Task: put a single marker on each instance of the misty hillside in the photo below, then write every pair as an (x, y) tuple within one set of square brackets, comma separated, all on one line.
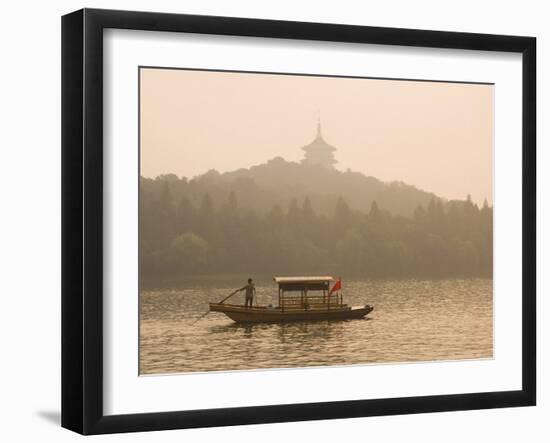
[(278, 182), (290, 219)]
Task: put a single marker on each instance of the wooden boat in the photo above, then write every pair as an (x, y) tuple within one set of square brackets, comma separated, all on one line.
[(300, 299)]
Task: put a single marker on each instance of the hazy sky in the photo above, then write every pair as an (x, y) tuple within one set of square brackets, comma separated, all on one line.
[(436, 136)]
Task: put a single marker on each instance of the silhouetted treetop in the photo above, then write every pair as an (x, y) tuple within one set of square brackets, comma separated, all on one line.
[(278, 181), (289, 218)]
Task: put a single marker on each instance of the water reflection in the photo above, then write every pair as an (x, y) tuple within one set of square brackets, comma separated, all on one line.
[(413, 320)]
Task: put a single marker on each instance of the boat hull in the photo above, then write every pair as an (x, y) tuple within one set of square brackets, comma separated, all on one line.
[(261, 314)]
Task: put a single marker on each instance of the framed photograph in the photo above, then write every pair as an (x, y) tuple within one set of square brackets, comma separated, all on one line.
[(269, 221)]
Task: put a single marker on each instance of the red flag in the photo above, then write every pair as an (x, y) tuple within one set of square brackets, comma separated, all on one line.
[(337, 286)]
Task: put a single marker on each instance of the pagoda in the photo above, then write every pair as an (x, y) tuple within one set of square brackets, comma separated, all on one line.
[(319, 152)]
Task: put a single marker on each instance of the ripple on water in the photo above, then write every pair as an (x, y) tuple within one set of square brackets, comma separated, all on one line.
[(413, 320)]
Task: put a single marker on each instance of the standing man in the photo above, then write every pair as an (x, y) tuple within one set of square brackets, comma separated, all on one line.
[(249, 294)]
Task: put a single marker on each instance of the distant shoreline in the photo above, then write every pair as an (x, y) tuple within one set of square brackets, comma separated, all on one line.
[(186, 281)]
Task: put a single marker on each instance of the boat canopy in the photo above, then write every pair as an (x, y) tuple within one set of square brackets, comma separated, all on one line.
[(297, 280), (320, 283)]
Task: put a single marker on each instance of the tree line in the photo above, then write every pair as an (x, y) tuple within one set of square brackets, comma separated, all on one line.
[(189, 234)]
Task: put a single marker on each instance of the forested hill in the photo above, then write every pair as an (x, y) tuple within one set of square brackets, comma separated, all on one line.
[(283, 218), (278, 182)]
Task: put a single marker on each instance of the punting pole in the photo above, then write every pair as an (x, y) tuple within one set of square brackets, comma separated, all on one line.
[(208, 312)]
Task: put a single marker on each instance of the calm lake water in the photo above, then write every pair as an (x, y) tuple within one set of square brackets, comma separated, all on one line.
[(413, 320)]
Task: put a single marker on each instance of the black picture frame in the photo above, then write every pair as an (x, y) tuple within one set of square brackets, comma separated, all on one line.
[(82, 219)]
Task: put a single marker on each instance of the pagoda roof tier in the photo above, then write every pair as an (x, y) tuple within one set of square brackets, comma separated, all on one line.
[(319, 152), (319, 144)]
